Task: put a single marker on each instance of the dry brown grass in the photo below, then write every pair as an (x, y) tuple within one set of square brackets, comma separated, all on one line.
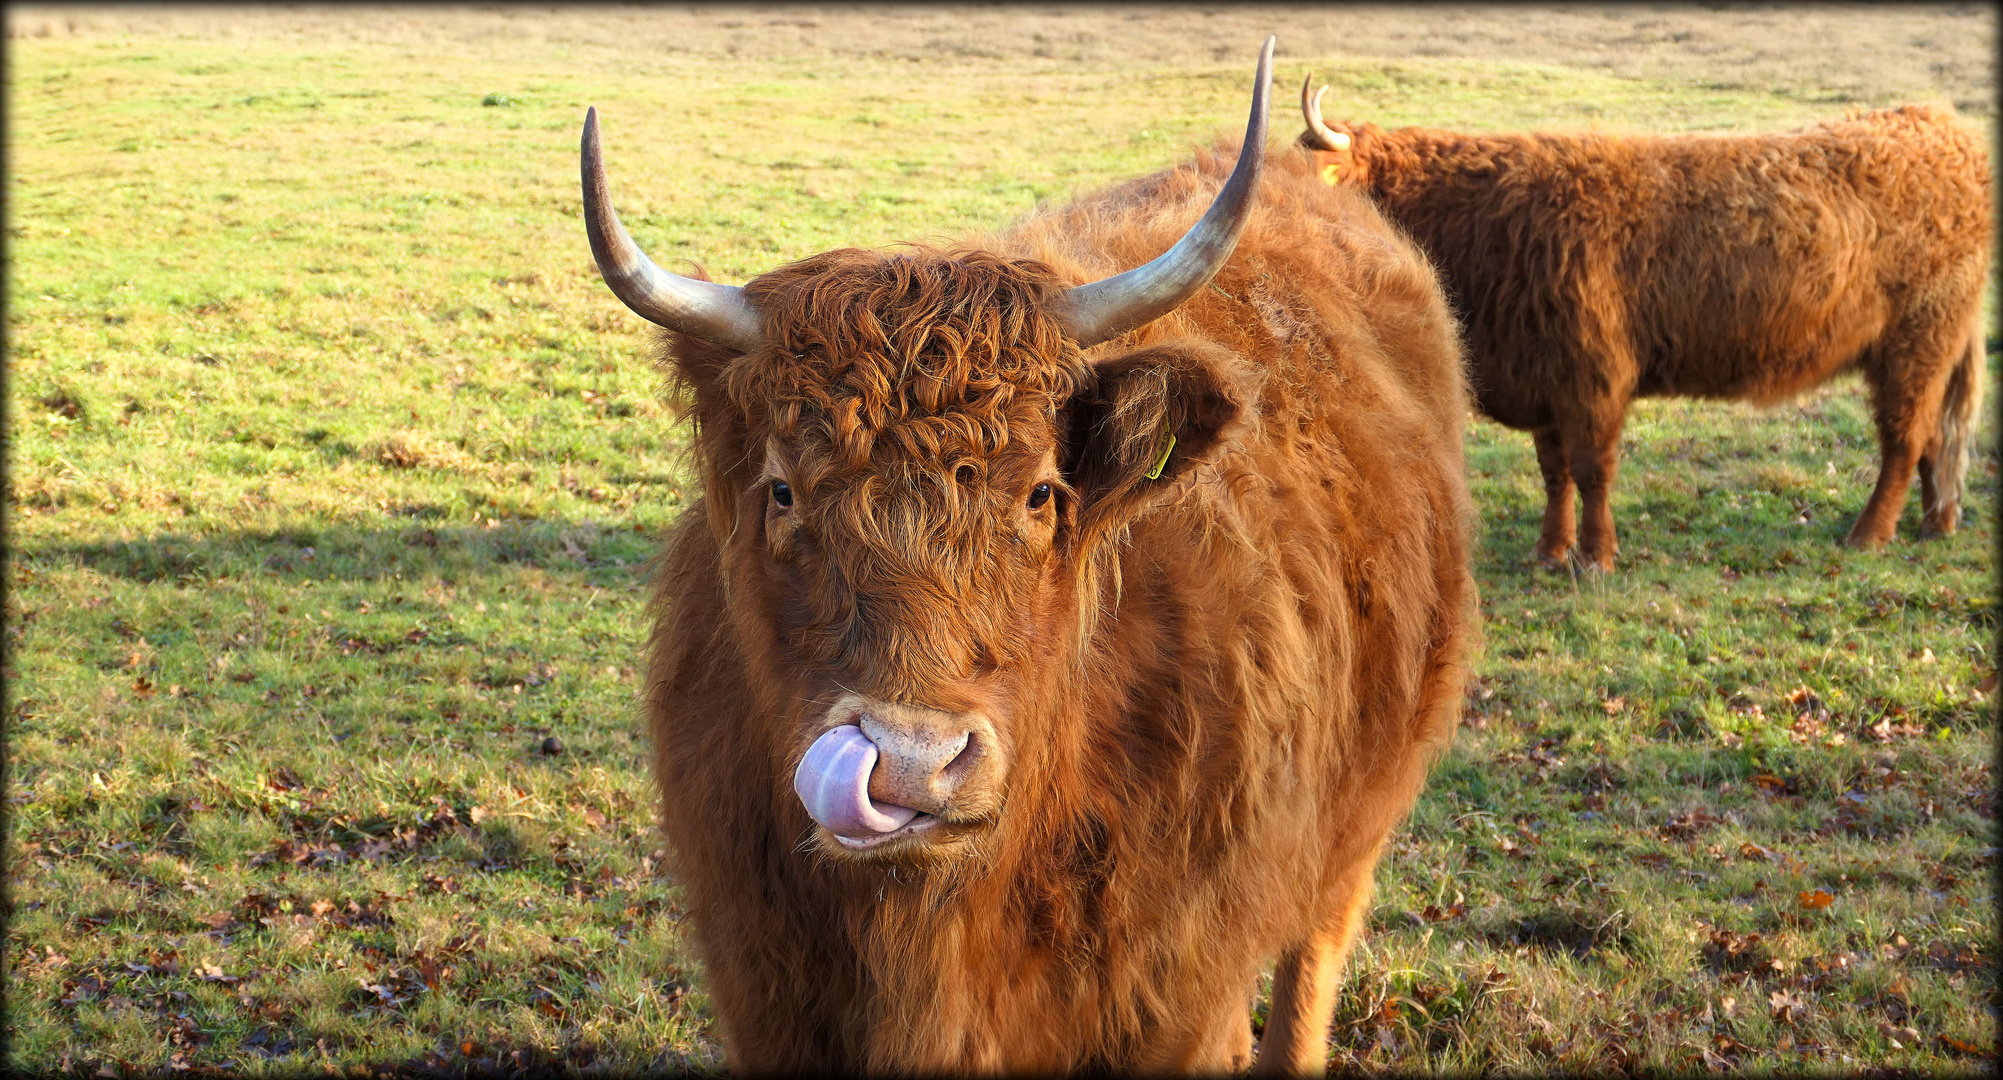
[(1870, 54)]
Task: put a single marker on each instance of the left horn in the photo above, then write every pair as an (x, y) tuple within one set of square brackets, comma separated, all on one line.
[(700, 309), (1105, 309)]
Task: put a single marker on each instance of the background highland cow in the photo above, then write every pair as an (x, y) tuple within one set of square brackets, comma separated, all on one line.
[(1591, 269)]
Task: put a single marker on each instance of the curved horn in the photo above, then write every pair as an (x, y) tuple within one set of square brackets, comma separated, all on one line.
[(700, 309), (1105, 309), (1311, 110)]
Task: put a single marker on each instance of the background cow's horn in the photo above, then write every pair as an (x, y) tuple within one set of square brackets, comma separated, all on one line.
[(1105, 309), (700, 309), (1311, 111)]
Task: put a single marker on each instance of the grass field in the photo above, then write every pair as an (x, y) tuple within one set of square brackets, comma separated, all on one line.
[(334, 475)]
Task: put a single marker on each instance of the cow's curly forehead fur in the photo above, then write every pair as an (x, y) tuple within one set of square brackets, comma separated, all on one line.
[(912, 396), (914, 358)]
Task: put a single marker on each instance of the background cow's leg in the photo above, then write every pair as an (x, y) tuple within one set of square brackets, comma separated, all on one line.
[(1899, 454), (1306, 979), (1944, 466), (1594, 453), (1930, 491), (1559, 528), (1907, 392)]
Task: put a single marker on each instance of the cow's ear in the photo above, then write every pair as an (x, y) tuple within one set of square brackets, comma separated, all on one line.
[(698, 372), (1145, 421), (1333, 166)]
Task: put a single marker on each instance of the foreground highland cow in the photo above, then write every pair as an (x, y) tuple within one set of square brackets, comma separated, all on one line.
[(1592, 269), (1043, 657)]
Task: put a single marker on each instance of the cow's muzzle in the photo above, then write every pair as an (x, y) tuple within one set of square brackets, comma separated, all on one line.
[(880, 772)]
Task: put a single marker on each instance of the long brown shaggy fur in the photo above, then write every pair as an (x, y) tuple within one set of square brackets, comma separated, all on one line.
[(1590, 269), (1218, 689)]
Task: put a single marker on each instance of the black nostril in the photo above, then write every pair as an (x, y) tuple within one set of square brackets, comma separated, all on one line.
[(969, 751)]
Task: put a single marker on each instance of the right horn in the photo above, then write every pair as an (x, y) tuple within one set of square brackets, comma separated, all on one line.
[(1311, 109), (1105, 309), (700, 309)]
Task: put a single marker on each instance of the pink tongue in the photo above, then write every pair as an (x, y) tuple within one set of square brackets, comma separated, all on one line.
[(833, 781)]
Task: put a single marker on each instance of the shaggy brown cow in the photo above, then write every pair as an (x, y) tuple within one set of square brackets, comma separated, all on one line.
[(1590, 269), (1042, 657)]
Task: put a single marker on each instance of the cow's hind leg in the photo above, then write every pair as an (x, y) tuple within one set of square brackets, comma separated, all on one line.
[(1899, 455), (1559, 529), (1944, 467), (1930, 493), (1594, 454), (1907, 397), (1306, 979)]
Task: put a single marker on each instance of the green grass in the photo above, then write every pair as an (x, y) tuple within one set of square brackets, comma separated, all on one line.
[(335, 474)]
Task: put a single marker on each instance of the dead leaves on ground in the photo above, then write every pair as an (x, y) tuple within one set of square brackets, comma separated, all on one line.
[(1540, 756), (1812, 722), (263, 909)]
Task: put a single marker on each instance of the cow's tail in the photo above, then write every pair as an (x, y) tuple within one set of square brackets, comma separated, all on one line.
[(1960, 408)]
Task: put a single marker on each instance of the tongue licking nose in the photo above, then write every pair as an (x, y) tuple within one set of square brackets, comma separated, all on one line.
[(833, 782)]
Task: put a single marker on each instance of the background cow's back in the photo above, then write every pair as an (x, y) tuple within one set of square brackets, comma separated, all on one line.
[(1255, 678), (1592, 268)]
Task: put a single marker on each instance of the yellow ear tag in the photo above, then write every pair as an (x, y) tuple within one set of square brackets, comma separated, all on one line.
[(1331, 174), (1155, 472)]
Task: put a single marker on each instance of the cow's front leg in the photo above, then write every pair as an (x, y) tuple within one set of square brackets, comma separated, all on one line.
[(1306, 979), (1559, 530), (1222, 1046)]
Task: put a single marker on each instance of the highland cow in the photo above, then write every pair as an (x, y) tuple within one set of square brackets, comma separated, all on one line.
[(1591, 269), (1054, 643)]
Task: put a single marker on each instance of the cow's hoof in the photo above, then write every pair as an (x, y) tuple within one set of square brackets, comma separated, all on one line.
[(1863, 543), (1936, 526), (1593, 568), (1558, 563)]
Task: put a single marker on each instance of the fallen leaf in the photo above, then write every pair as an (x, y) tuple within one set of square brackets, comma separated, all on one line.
[(209, 972), (1955, 1044), (1815, 899), (1898, 1035)]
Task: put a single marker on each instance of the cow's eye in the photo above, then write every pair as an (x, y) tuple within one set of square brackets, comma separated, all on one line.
[(1039, 495), (781, 493)]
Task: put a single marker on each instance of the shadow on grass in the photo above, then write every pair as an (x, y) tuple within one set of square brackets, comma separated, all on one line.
[(1680, 532), (600, 555)]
